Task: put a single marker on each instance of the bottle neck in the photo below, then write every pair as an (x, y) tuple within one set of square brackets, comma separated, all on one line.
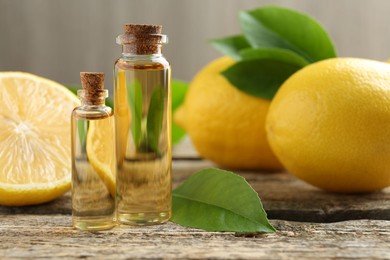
[(141, 49), (92, 104), (92, 98)]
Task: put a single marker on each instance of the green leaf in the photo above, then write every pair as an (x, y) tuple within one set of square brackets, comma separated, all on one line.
[(134, 97), (155, 118), (231, 46), (177, 133), (273, 54), (109, 102), (218, 200), (276, 27), (261, 77), (82, 129), (179, 90)]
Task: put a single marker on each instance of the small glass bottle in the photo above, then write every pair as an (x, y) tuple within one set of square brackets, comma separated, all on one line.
[(142, 104), (93, 157)]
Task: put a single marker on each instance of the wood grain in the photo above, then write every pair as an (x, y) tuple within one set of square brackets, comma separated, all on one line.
[(288, 198), (284, 197), (44, 236), (45, 232)]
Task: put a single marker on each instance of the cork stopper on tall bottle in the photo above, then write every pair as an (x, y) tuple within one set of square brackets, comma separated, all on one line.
[(142, 39), (92, 84), (142, 29)]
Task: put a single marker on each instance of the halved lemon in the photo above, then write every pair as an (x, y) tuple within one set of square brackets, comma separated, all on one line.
[(101, 150), (35, 153)]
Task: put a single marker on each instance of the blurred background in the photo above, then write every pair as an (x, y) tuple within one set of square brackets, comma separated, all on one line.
[(57, 39)]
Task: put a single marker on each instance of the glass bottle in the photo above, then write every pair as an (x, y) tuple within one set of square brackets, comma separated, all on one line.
[(142, 108), (93, 157)]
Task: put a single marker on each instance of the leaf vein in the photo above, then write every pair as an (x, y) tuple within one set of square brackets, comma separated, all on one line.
[(191, 199)]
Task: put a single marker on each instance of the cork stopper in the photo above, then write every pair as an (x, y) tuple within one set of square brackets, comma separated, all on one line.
[(142, 29), (142, 39), (92, 84)]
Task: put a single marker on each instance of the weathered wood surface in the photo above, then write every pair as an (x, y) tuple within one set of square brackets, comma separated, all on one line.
[(284, 197), (288, 198), (362, 230), (37, 236)]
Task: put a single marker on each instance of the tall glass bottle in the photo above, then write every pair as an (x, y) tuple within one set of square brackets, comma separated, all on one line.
[(93, 157), (142, 97)]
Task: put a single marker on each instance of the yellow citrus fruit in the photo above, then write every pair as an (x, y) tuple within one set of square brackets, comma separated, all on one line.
[(122, 117), (329, 125), (35, 156), (101, 150), (226, 125)]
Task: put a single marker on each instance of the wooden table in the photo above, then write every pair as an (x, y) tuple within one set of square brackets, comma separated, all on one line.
[(311, 224)]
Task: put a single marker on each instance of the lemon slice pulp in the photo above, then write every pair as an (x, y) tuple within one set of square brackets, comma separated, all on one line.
[(101, 150), (35, 157)]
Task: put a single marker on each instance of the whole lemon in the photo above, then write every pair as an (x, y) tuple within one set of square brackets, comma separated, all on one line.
[(329, 124), (226, 125)]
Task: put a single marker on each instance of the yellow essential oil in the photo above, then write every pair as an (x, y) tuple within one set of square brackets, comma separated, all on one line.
[(93, 157), (143, 127)]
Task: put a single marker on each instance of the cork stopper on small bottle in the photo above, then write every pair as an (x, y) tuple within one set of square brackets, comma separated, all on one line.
[(93, 92), (142, 39)]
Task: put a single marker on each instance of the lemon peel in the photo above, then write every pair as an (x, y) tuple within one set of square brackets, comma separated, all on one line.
[(329, 125), (226, 125)]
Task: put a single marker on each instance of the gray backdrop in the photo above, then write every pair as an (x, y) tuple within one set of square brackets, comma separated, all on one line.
[(59, 38)]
